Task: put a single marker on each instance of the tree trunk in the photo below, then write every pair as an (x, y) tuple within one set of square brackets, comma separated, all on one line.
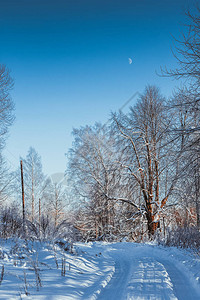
[(151, 224)]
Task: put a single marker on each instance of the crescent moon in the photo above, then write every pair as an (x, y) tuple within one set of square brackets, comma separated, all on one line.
[(130, 61)]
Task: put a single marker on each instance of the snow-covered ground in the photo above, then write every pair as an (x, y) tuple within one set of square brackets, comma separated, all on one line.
[(115, 271)]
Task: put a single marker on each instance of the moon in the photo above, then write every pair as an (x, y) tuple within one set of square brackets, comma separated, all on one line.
[(130, 61)]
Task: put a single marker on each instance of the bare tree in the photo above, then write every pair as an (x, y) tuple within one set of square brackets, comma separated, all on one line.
[(58, 201), (187, 50), (6, 180), (6, 103), (187, 53), (34, 180), (185, 128), (144, 134), (92, 168), (6, 120)]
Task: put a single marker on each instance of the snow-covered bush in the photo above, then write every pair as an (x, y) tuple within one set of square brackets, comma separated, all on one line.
[(10, 222), (11, 225), (184, 237)]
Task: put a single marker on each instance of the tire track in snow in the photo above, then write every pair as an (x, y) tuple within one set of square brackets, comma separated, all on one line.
[(147, 277), (149, 280), (181, 284)]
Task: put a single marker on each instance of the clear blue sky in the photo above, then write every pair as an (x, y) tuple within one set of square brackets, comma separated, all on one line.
[(69, 60)]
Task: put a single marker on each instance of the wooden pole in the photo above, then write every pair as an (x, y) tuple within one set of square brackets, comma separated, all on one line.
[(23, 201), (39, 216), (32, 192)]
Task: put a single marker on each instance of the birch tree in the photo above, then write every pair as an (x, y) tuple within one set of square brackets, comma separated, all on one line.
[(34, 180), (143, 133)]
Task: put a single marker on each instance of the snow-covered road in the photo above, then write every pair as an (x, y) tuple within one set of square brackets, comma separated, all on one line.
[(98, 271), (147, 272)]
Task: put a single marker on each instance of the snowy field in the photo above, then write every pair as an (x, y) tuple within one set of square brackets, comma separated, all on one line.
[(97, 271)]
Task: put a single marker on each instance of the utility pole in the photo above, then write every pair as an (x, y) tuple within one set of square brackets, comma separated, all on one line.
[(39, 215), (32, 202), (23, 201)]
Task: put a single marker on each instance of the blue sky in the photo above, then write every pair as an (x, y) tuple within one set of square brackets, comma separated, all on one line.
[(69, 60)]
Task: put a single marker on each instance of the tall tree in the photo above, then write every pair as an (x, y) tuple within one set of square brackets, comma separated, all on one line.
[(93, 171), (144, 135), (34, 180), (185, 129), (187, 53)]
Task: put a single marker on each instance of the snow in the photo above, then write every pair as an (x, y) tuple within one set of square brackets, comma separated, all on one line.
[(97, 270)]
